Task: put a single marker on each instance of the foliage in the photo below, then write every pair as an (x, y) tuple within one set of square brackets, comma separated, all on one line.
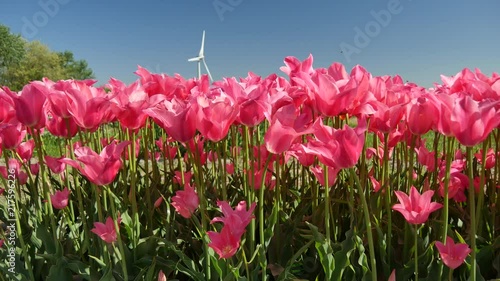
[(22, 62), (11, 49)]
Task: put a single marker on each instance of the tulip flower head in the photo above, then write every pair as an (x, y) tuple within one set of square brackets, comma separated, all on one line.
[(106, 231), (100, 169), (161, 276), (452, 255), (225, 243), (417, 207), (186, 201), (60, 199)]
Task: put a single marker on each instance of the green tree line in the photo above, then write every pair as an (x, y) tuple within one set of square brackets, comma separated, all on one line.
[(22, 61)]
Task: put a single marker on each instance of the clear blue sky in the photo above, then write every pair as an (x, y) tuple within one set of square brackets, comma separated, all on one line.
[(423, 38)]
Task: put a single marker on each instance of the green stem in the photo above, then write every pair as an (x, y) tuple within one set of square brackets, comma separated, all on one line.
[(388, 194), (449, 154), (132, 196), (472, 202), (200, 188), (411, 153), (147, 174), (118, 236), (46, 189), (480, 199), (367, 223), (261, 219), (416, 252), (327, 204)]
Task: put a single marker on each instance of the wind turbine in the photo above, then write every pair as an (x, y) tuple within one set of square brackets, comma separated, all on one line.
[(201, 57)]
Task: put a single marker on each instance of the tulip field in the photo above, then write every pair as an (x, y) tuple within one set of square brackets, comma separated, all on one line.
[(317, 174)]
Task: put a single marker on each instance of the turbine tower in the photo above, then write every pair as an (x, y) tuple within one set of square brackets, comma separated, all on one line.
[(201, 57)]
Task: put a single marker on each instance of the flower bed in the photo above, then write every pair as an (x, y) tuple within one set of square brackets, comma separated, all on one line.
[(323, 175)]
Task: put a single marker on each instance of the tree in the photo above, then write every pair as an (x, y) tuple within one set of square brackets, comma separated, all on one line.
[(75, 69), (22, 61), (38, 62), (11, 49)]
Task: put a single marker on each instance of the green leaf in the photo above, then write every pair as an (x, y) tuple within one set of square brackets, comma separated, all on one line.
[(325, 251), (81, 269), (108, 276), (363, 259), (269, 232), (48, 241), (188, 266), (99, 261), (216, 264), (285, 274), (59, 271), (342, 260)]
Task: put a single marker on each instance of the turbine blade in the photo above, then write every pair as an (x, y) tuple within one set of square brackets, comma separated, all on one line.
[(195, 59), (208, 71), (202, 45)]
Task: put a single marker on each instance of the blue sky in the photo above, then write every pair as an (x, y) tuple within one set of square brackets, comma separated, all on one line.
[(421, 40)]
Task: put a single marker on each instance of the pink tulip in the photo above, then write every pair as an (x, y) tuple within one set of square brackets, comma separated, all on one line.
[(106, 231), (169, 86), (100, 169), (54, 164), (453, 255), (318, 171), (129, 102), (216, 112), (161, 276), (196, 146), (422, 114), (58, 101), (1, 243), (471, 122), (294, 66), (177, 117), (416, 208), (331, 97), (169, 151), (297, 151), (287, 125), (29, 104), (88, 105), (62, 127), (490, 158), (25, 150), (237, 219), (60, 199), (337, 148), (252, 99), (225, 243), (426, 158), (255, 179), (12, 134), (386, 118), (158, 202), (392, 277), (20, 175), (34, 168), (7, 111), (375, 183), (178, 177), (186, 201)]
